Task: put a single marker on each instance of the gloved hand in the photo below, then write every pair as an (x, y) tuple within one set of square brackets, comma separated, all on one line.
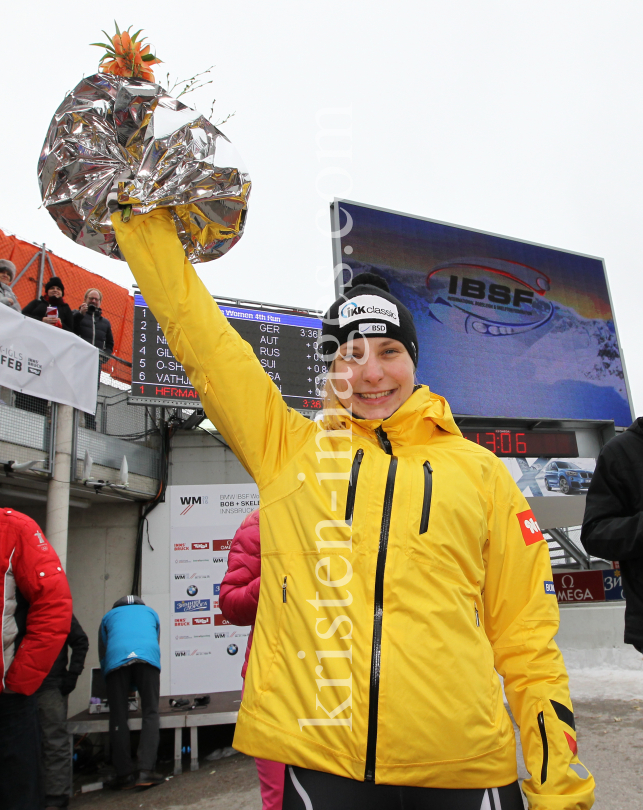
[(69, 683)]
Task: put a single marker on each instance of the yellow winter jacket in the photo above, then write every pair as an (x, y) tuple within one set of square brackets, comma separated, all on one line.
[(401, 568)]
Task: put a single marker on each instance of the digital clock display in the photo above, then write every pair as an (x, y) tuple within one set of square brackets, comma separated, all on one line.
[(520, 443), (285, 342)]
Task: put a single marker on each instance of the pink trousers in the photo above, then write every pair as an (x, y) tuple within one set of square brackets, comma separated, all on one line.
[(271, 781)]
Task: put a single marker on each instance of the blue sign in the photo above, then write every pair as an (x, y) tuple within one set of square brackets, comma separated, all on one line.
[(613, 584), (217, 588), (550, 588)]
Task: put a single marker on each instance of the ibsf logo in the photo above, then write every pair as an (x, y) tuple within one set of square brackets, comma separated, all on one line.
[(192, 590), (490, 297), (200, 546), (188, 501), (202, 620)]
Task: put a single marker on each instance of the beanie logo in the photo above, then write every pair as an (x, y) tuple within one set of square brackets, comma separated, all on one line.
[(363, 306), (372, 328)]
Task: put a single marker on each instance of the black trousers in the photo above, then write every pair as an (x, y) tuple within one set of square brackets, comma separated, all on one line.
[(20, 780), (120, 683), (314, 790)]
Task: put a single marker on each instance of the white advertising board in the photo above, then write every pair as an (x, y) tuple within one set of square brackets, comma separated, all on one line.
[(206, 653)]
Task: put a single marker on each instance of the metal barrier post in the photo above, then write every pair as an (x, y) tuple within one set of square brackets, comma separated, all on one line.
[(58, 490)]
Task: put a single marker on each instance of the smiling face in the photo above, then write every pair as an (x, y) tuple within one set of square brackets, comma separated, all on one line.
[(374, 376), (5, 276), (55, 292), (93, 298)]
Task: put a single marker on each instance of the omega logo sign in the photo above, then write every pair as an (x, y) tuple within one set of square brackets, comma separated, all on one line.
[(581, 586)]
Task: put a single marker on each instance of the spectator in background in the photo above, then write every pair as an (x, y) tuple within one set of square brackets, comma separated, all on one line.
[(7, 274), (52, 711), (40, 308), (35, 603), (130, 656), (613, 522), (90, 325), (238, 600)]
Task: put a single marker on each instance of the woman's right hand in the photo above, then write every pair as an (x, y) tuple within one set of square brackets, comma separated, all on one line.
[(51, 319)]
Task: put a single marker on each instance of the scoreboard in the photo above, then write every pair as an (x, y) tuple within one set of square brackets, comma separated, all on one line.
[(284, 340)]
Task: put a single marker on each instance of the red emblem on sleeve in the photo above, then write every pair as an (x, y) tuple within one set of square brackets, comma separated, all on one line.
[(571, 742), (529, 527)]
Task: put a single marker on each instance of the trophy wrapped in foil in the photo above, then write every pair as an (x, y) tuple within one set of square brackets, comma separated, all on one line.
[(120, 132)]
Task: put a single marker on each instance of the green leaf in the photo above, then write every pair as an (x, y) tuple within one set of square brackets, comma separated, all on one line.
[(148, 57), (136, 34), (107, 56), (117, 28), (101, 45), (109, 39)]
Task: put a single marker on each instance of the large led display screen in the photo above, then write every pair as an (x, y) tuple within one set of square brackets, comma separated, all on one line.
[(505, 328)]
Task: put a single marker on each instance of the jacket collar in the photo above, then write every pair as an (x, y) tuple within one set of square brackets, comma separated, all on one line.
[(413, 422)]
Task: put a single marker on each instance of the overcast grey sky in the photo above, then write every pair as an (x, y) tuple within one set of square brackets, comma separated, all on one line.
[(520, 118)]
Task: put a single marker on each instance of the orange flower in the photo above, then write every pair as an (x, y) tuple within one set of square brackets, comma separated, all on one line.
[(125, 57)]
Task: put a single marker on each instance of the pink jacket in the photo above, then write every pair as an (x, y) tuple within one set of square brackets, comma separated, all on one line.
[(239, 595)]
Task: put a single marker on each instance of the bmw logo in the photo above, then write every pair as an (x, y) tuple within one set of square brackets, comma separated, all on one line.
[(192, 590), (232, 649)]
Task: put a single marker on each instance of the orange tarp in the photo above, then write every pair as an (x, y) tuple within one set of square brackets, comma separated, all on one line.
[(118, 304)]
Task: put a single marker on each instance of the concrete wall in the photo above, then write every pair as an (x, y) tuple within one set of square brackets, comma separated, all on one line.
[(197, 457), (592, 636), (100, 565)]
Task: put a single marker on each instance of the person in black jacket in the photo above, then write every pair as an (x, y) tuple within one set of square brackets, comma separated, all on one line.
[(90, 325), (613, 522), (53, 297), (52, 712)]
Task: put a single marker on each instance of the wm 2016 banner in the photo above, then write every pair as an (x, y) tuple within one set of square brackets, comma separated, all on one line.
[(44, 361), (207, 652)]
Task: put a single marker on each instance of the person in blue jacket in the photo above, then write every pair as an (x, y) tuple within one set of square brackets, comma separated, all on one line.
[(130, 656)]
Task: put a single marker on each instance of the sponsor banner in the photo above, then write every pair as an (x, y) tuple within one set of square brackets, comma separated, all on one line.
[(589, 586), (44, 361), (551, 477), (206, 652)]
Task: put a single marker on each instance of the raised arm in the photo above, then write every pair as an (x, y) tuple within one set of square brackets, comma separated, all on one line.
[(236, 393), (521, 620)]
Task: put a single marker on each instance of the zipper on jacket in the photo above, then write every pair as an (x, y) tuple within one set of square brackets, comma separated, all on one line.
[(378, 610), (352, 485), (543, 736), (283, 590), (383, 440), (475, 607), (426, 503)]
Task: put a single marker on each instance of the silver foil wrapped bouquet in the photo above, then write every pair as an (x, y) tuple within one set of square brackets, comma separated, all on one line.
[(126, 134)]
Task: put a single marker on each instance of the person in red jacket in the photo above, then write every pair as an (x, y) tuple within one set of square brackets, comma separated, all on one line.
[(36, 610), (238, 600)]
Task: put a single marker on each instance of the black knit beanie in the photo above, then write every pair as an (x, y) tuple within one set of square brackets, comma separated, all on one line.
[(54, 281), (367, 310)]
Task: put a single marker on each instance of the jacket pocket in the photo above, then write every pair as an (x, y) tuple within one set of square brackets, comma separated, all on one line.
[(543, 736), (426, 501)]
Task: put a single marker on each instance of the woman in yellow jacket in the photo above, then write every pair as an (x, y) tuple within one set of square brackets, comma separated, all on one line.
[(401, 569)]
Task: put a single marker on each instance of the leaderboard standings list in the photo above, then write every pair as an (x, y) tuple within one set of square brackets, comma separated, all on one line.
[(285, 344)]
